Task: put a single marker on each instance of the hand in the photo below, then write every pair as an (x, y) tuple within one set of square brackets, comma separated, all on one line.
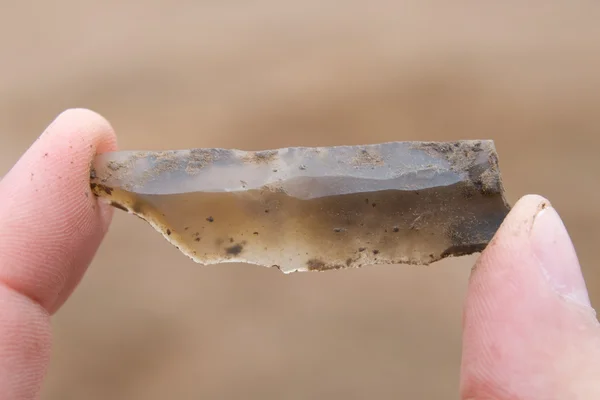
[(50, 228), (529, 329)]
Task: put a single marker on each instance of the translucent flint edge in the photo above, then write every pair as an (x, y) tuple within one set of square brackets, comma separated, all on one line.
[(296, 170)]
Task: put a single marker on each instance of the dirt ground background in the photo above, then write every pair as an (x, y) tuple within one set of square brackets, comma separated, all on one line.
[(147, 323)]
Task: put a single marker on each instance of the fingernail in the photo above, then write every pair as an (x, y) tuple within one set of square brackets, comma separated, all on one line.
[(553, 247)]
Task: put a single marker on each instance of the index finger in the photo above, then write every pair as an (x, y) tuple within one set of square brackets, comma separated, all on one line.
[(51, 226)]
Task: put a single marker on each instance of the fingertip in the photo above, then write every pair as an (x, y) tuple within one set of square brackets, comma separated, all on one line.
[(516, 322), (52, 222), (83, 119), (96, 135)]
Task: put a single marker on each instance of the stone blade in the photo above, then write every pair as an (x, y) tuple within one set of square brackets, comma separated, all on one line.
[(323, 208)]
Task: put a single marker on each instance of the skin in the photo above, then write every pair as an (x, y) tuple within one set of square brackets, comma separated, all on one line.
[(529, 329)]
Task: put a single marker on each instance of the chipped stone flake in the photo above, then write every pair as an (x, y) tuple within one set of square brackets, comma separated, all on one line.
[(302, 209)]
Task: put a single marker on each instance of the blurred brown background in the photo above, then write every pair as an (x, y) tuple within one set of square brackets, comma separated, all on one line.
[(147, 323)]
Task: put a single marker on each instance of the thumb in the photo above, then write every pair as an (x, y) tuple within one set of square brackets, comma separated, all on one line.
[(529, 329)]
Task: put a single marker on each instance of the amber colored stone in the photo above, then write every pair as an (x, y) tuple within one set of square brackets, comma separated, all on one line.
[(324, 208)]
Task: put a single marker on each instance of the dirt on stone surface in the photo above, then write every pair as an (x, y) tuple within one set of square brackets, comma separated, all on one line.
[(148, 323)]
